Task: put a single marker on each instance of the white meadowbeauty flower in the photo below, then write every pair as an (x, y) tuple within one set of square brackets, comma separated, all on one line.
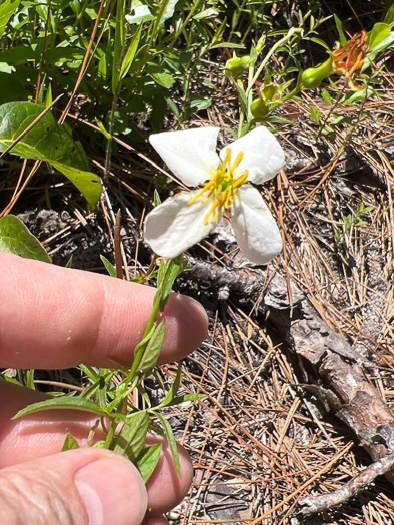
[(184, 220)]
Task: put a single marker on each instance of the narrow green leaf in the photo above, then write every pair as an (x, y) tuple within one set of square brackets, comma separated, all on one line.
[(186, 398), (342, 37), (47, 141), (7, 9), (70, 443), (148, 460), (63, 403), (130, 53), (174, 388), (206, 13), (326, 95), (316, 114), (15, 238), (30, 379), (171, 441), (131, 439), (108, 266), (168, 272), (153, 348), (389, 18)]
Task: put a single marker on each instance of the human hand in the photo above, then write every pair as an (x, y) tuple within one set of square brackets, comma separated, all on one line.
[(52, 318)]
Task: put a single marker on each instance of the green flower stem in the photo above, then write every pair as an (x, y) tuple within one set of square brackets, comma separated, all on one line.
[(252, 79)]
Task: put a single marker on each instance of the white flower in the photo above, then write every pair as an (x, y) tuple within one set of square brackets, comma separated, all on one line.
[(184, 220)]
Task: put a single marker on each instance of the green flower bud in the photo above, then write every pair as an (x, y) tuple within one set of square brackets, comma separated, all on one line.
[(236, 66), (314, 76), (259, 108)]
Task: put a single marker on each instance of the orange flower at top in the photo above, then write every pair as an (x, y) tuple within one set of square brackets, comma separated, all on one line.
[(348, 60)]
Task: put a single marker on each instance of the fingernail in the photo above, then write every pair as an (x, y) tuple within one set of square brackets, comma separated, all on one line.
[(112, 491)]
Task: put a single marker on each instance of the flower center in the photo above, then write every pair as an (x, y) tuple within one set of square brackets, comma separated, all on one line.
[(222, 187)]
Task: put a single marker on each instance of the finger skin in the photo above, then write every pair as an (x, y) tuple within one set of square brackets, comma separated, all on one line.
[(52, 317), (73, 488), (43, 433)]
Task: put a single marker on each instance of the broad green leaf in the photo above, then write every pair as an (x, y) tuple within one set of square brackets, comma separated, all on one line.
[(153, 348), (63, 403), (168, 10), (140, 13), (47, 141), (108, 266), (7, 9), (380, 32), (85, 181), (15, 238), (148, 460), (171, 441), (381, 46), (131, 439), (163, 79), (70, 443), (11, 88)]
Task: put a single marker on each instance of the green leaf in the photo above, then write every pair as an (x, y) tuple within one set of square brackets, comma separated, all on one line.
[(47, 141), (70, 443), (15, 238), (7, 9), (148, 460), (163, 79), (168, 10), (389, 18), (153, 348), (206, 13), (131, 438), (342, 37), (171, 441), (326, 95), (130, 53), (141, 13), (316, 114), (85, 181), (64, 403), (230, 45), (174, 388), (108, 266), (167, 274), (380, 32), (361, 95)]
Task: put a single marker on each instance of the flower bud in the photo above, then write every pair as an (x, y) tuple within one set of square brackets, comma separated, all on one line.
[(259, 108), (314, 76), (236, 66)]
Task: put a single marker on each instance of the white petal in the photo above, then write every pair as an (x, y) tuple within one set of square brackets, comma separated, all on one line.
[(175, 226), (256, 231), (263, 155), (190, 153)]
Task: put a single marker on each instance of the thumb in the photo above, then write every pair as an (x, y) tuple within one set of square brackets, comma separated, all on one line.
[(86, 486)]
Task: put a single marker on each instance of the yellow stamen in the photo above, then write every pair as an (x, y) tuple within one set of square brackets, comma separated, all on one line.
[(223, 187)]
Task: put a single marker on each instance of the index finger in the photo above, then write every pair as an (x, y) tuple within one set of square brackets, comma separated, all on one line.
[(52, 317)]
